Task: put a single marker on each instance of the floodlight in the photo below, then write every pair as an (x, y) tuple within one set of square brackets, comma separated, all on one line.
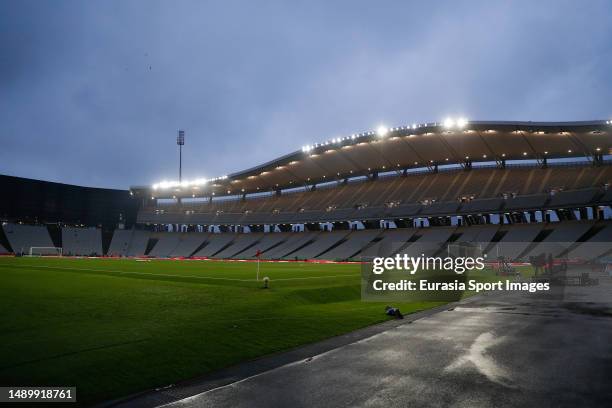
[(461, 122), (382, 131)]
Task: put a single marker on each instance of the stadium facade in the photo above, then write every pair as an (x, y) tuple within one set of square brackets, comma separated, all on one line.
[(520, 182)]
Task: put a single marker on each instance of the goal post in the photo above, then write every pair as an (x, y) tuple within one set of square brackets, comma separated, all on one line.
[(464, 249), (45, 251)]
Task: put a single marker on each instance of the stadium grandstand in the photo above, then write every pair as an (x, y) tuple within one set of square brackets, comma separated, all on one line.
[(371, 193)]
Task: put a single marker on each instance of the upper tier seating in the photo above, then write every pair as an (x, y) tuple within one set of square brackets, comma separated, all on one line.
[(23, 237), (431, 194), (482, 205), (607, 197), (575, 197)]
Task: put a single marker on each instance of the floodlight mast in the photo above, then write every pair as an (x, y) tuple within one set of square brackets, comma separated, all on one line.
[(180, 141)]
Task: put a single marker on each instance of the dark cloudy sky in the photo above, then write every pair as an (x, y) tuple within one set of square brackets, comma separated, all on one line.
[(92, 92)]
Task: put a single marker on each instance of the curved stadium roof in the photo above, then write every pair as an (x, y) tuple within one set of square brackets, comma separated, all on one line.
[(406, 147)]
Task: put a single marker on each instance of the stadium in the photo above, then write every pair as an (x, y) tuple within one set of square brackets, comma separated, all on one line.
[(153, 295), (335, 200)]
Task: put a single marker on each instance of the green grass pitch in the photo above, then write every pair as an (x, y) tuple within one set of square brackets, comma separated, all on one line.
[(114, 327)]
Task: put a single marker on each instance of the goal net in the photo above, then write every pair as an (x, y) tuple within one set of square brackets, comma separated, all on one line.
[(45, 251), (465, 249)]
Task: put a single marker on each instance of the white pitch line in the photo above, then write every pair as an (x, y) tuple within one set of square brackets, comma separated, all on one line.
[(316, 277), (173, 275), (135, 273)]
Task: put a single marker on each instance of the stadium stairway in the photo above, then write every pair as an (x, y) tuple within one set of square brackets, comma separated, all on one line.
[(594, 243), (5, 246), (107, 237), (241, 243), (151, 242), (119, 243), (324, 242), (216, 243), (55, 232), (517, 239), (560, 238), (392, 241), (292, 244), (269, 241)]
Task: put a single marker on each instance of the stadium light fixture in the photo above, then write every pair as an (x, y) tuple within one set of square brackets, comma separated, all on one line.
[(382, 131)]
